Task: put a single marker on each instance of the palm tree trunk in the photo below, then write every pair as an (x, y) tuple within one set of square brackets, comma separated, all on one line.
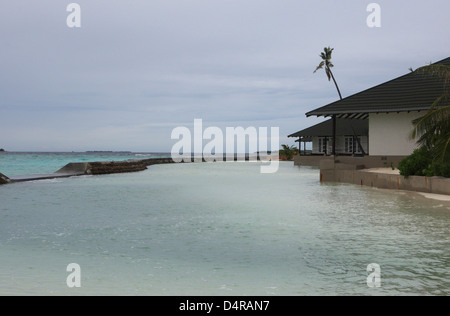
[(334, 80), (334, 116)]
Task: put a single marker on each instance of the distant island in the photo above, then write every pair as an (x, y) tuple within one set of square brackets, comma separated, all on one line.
[(2, 150), (107, 151)]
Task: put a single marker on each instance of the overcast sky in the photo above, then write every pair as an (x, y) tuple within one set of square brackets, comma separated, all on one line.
[(137, 69)]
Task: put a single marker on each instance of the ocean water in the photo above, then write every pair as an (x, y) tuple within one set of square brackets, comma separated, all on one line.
[(218, 229), (26, 163)]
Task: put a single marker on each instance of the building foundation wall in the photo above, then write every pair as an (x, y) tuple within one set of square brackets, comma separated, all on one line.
[(436, 185)]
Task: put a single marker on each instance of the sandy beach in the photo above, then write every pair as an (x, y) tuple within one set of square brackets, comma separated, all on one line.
[(383, 170), (440, 197)]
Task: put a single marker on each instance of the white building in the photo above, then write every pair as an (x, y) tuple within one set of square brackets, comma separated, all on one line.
[(389, 109), (351, 139)]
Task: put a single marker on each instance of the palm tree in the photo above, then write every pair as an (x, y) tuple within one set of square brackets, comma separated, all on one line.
[(433, 128), (288, 151), (326, 62)]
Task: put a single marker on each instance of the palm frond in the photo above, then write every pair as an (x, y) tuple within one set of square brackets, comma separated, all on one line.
[(446, 150), (320, 66), (432, 130), (326, 61), (437, 71), (429, 123)]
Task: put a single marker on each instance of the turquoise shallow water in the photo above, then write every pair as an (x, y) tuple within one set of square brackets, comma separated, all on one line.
[(220, 229), (15, 164)]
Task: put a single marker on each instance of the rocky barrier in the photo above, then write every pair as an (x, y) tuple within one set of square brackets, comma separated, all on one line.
[(111, 167), (101, 168), (4, 179), (91, 168)]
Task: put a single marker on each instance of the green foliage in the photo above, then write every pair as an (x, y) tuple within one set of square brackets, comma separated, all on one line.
[(432, 131), (326, 62), (416, 163), (288, 152), (439, 168), (422, 163), (433, 128)]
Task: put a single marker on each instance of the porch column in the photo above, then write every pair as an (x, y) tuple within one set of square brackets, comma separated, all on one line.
[(353, 144), (334, 136)]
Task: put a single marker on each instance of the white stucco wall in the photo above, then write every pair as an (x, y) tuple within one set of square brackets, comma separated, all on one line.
[(389, 134)]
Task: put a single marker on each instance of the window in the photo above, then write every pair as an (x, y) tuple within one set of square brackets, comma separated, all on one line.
[(322, 145), (351, 144), (348, 144)]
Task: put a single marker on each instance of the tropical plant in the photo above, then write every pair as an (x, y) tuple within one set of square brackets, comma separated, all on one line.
[(433, 128), (432, 131), (288, 152), (327, 64), (421, 163)]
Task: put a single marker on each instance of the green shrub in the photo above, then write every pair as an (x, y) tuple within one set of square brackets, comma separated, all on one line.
[(440, 168), (421, 163), (416, 164)]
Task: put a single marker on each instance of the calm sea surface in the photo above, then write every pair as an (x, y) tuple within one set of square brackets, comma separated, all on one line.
[(214, 229)]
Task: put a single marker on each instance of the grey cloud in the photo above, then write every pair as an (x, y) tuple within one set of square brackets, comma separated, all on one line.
[(134, 68)]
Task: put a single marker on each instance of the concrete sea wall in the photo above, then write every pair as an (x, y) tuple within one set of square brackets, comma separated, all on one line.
[(366, 161), (336, 172)]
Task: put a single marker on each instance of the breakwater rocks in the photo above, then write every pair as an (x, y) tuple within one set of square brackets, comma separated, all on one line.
[(4, 179), (110, 167), (97, 168), (91, 168), (154, 161)]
